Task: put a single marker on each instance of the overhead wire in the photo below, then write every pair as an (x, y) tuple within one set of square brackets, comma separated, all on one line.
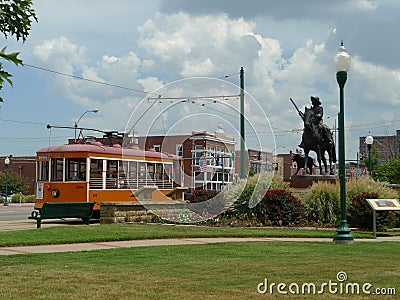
[(347, 128)]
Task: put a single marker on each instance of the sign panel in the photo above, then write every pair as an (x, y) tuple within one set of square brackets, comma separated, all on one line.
[(39, 191), (384, 204)]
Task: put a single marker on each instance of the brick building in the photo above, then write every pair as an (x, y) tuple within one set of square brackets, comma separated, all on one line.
[(387, 146), (208, 158), (255, 160), (24, 166)]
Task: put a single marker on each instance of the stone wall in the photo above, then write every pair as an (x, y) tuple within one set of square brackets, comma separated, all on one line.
[(120, 212)]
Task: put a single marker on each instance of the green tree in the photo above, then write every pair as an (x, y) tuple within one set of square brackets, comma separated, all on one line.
[(16, 17), (389, 171), (374, 159), (16, 183)]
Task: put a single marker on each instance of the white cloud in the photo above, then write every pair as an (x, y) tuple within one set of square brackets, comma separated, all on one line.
[(172, 46)]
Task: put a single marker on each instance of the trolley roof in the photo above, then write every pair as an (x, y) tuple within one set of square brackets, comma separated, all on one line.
[(99, 148)]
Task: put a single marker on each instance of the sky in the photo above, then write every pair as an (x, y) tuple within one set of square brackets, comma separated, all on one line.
[(172, 67)]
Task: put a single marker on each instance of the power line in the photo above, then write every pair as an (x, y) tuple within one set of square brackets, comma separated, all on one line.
[(86, 79), (23, 122)]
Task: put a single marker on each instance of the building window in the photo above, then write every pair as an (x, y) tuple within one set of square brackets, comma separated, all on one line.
[(157, 148), (198, 153), (179, 150)]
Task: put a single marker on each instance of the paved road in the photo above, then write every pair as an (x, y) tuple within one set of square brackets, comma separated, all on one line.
[(15, 217), (15, 211)]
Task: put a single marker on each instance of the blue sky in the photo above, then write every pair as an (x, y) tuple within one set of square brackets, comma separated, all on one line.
[(137, 47)]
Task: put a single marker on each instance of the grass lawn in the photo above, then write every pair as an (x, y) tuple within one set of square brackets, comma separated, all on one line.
[(118, 232), (212, 271)]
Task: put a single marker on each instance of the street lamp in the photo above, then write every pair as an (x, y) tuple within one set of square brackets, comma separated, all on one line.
[(7, 162), (369, 140), (76, 122), (342, 62)]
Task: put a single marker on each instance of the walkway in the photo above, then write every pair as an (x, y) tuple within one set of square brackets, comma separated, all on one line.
[(162, 242)]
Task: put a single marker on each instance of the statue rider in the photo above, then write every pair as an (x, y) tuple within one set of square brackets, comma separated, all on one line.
[(323, 130)]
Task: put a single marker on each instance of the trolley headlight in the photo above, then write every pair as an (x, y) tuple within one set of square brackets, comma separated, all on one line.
[(55, 193)]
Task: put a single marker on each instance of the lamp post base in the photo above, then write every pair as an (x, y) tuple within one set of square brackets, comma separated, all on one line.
[(343, 235), (5, 203)]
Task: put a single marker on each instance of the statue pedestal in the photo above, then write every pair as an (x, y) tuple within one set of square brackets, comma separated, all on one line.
[(305, 181)]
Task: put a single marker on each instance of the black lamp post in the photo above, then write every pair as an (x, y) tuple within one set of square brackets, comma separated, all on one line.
[(369, 140), (7, 162), (342, 63)]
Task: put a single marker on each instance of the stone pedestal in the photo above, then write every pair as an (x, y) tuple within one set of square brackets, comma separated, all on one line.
[(305, 181)]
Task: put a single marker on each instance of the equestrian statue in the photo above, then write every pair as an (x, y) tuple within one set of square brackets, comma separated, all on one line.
[(317, 136)]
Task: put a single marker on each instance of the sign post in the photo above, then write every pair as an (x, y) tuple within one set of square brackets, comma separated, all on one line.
[(382, 204)]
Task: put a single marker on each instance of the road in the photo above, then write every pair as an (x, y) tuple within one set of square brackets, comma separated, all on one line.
[(15, 212), (15, 217)]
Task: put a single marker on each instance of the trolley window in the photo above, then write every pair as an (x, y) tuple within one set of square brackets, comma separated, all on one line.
[(43, 171), (96, 170), (75, 169), (112, 173), (57, 169), (122, 178)]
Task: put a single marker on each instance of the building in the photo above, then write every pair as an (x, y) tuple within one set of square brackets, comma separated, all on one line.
[(24, 166), (208, 158), (256, 161), (387, 146)]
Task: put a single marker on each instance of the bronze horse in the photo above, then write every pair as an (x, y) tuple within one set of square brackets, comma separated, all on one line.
[(300, 163), (313, 141)]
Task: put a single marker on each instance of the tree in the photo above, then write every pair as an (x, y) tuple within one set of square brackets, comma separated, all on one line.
[(389, 171), (16, 17), (374, 159), (15, 184)]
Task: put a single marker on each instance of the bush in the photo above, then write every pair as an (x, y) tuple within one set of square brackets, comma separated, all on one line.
[(367, 185), (360, 214), (200, 195), (279, 207), (206, 203), (322, 203), (25, 199)]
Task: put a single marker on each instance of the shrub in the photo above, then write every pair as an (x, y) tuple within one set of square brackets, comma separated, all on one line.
[(279, 207), (367, 185), (25, 199), (206, 203), (200, 195), (360, 214), (322, 203), (247, 193)]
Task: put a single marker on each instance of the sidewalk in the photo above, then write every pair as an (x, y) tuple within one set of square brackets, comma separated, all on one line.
[(163, 242)]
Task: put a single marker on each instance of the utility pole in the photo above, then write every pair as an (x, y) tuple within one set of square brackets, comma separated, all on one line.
[(242, 137)]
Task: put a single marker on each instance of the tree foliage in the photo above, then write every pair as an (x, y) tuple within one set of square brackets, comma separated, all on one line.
[(16, 183), (16, 18), (388, 172), (374, 159)]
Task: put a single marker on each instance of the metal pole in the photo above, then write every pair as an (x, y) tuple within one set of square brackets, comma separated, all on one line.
[(6, 198), (242, 134), (223, 175), (369, 160), (374, 222), (343, 235)]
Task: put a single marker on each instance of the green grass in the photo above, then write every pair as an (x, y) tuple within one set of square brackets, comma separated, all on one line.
[(118, 232), (212, 271)]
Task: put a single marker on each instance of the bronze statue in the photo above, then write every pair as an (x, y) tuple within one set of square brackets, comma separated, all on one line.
[(317, 136)]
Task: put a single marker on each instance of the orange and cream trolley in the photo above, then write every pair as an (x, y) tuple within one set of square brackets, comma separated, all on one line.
[(93, 172)]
